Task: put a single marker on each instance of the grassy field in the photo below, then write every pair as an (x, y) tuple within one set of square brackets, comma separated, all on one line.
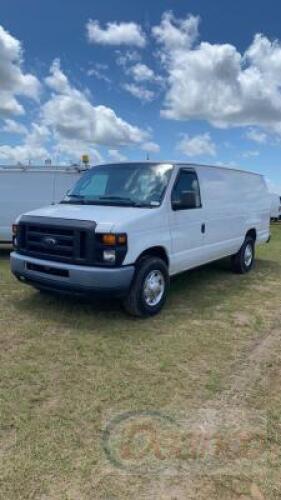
[(187, 405)]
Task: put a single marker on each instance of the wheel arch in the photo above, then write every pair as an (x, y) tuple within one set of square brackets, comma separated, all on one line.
[(155, 251), (253, 233)]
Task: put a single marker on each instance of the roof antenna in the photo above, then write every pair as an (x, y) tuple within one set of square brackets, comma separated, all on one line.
[(147, 157)]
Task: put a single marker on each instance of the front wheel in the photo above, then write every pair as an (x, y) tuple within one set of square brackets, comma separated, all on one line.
[(148, 292), (243, 261)]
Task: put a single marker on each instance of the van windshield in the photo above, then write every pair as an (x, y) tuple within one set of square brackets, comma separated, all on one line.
[(124, 184)]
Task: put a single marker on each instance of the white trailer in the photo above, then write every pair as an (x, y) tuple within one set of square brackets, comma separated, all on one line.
[(28, 188), (275, 211)]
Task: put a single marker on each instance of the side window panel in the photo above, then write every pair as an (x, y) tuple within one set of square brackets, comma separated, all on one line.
[(186, 187)]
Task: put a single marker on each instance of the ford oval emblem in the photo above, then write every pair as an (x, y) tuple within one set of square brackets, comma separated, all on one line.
[(49, 242)]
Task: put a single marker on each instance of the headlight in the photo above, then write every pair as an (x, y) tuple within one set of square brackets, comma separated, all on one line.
[(109, 256), (15, 231), (110, 248), (15, 228)]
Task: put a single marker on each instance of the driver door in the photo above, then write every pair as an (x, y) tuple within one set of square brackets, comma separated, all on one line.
[(186, 222)]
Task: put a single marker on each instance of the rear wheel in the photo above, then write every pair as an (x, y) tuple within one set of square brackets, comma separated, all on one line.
[(148, 292), (243, 261)]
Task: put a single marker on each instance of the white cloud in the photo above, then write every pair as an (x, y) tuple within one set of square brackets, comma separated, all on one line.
[(176, 33), (228, 164), (141, 72), (215, 82), (251, 154), (71, 116), (129, 56), (74, 149), (13, 127), (140, 92), (38, 135), (70, 126), (32, 149), (22, 154), (13, 82), (115, 155), (256, 136), (142, 75), (115, 33), (151, 147), (198, 145), (57, 80), (98, 70)]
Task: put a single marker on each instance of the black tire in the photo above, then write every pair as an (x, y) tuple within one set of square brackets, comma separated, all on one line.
[(135, 303), (42, 291), (240, 263)]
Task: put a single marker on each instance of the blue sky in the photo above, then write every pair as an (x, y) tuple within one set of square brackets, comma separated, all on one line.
[(187, 80)]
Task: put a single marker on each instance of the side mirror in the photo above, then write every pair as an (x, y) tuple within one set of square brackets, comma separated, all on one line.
[(187, 200)]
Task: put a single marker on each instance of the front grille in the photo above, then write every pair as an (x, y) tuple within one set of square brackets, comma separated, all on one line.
[(59, 240)]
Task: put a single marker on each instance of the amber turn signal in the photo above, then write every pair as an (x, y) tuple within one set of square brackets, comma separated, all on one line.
[(109, 239), (114, 239)]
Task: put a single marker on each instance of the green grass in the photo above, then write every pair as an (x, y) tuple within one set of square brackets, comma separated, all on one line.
[(67, 367)]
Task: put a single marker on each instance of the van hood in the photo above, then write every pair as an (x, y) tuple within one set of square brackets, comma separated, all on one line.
[(107, 218)]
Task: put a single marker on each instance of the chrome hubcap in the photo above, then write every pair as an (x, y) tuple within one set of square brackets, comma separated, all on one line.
[(248, 255), (154, 288)]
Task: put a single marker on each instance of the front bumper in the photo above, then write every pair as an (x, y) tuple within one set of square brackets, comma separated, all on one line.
[(71, 279)]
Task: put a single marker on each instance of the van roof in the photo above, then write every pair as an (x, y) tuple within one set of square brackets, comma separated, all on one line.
[(72, 169), (183, 163)]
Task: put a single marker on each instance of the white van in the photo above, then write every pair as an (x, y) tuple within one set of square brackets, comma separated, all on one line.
[(275, 210), (24, 189), (126, 228)]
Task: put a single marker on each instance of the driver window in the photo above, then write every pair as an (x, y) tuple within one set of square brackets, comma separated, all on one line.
[(187, 182)]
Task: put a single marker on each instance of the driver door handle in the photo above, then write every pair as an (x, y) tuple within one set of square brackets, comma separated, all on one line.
[(203, 228)]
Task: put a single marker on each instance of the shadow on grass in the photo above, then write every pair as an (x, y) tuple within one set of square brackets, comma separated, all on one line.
[(221, 272), (5, 253), (202, 288)]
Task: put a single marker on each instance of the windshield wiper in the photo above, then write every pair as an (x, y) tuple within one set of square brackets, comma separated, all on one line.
[(121, 199), (110, 199), (77, 199), (113, 197), (129, 201)]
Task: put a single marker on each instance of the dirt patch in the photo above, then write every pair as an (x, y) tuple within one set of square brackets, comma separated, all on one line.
[(242, 319), (252, 368)]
